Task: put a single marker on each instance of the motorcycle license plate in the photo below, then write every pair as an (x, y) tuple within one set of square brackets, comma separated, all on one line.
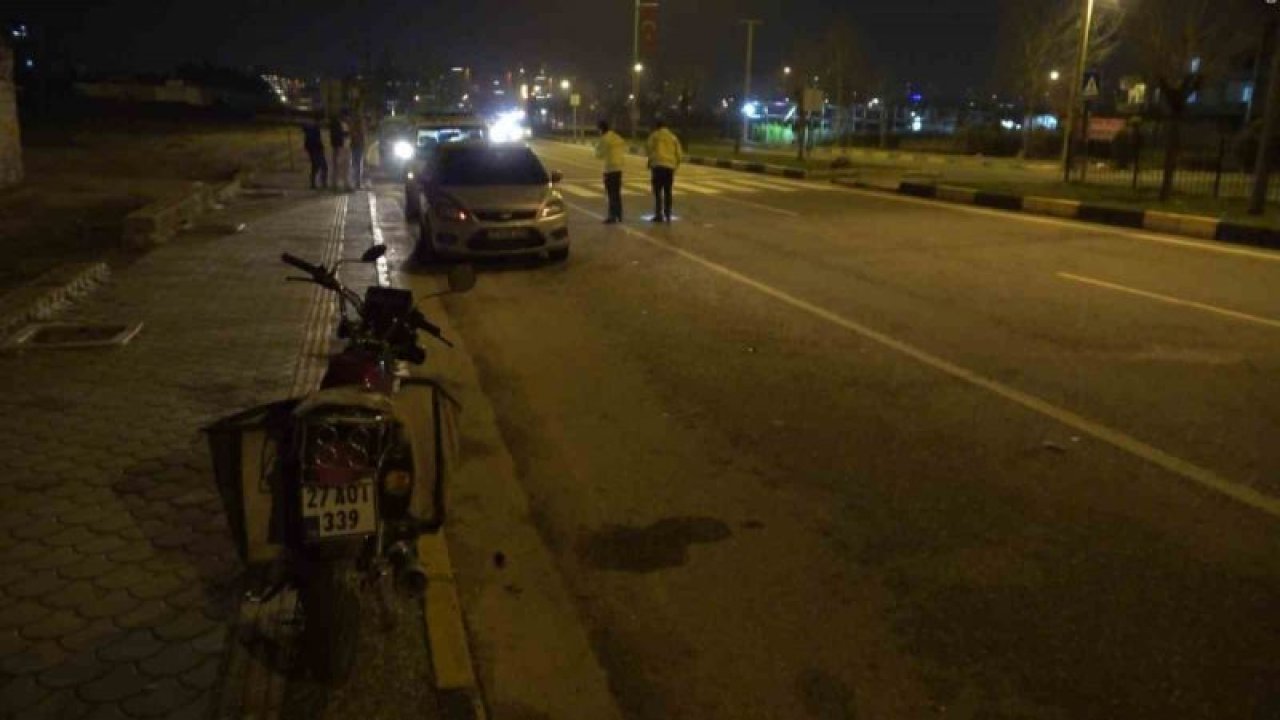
[(336, 511)]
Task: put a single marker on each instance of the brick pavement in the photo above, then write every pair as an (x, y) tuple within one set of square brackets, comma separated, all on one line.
[(117, 573)]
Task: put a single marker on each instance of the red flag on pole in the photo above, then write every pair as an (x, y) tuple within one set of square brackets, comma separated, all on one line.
[(648, 30)]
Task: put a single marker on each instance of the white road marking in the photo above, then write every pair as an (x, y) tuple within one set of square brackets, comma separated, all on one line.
[(727, 187), (1171, 300), (764, 185), (695, 188), (1190, 471), (578, 190)]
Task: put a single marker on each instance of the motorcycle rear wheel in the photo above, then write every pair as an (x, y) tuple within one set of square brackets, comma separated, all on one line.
[(331, 621)]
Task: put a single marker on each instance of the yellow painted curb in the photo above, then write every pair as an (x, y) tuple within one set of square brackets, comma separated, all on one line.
[(951, 193), (446, 634), (1055, 207), (1178, 224)]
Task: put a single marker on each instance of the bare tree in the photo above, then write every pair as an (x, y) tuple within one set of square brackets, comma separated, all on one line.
[(843, 67), (1042, 37), (1183, 45)]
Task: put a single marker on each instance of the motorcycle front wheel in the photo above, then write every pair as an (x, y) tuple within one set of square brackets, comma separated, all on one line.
[(330, 601)]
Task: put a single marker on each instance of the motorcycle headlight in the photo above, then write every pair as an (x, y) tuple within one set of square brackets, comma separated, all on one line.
[(403, 150), (553, 208)]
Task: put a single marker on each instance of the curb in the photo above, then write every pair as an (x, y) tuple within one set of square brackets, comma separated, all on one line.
[(49, 293), (1195, 226)]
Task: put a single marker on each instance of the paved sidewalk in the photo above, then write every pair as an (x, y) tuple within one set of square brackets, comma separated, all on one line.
[(117, 573)]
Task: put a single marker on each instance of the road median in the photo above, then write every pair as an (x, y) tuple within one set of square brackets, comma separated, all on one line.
[(1203, 227)]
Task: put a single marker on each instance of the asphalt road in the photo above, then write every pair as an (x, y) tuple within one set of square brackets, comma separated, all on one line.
[(815, 453)]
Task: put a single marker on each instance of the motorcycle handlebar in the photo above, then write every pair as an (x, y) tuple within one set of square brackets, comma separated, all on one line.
[(301, 264)]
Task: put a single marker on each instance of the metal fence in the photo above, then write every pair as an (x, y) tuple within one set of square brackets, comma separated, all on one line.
[(1216, 158)]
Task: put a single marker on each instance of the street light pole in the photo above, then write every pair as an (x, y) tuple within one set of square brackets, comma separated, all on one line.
[(635, 74), (746, 82), (1073, 109)]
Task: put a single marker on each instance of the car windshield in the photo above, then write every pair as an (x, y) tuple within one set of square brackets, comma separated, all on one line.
[(487, 165)]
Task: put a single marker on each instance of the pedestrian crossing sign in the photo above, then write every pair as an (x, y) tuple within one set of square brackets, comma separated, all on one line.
[(1091, 85)]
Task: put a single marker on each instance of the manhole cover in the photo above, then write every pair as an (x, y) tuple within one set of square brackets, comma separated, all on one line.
[(73, 335)]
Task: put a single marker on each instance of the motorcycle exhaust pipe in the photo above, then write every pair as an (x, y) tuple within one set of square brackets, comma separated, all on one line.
[(412, 579), (411, 575)]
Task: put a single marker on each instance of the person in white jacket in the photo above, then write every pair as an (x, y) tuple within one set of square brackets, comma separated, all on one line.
[(613, 150), (665, 155)]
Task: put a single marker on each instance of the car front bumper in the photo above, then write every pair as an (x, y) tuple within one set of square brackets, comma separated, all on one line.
[(476, 239)]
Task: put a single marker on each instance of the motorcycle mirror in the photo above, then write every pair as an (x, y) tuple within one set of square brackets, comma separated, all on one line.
[(373, 253), (461, 278)]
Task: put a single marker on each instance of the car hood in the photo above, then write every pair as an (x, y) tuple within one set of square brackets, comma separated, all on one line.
[(486, 197)]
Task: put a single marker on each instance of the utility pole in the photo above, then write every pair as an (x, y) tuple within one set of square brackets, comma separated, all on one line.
[(746, 82), (635, 72), (1261, 168), (1073, 109)]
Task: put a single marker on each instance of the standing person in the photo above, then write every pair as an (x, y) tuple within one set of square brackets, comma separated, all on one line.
[(613, 150), (358, 135), (341, 153), (312, 140), (665, 155)]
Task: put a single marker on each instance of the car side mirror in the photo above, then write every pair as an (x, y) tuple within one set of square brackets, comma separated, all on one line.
[(373, 253), (556, 176), (461, 278)]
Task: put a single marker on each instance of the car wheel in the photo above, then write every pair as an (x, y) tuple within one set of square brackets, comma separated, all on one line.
[(424, 252), (412, 204), (558, 255)]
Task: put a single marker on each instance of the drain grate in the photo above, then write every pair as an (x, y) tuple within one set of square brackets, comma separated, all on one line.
[(73, 335)]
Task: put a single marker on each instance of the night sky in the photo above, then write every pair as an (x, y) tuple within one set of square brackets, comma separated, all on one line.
[(947, 43)]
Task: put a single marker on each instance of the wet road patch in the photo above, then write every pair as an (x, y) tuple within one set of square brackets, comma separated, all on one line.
[(661, 545)]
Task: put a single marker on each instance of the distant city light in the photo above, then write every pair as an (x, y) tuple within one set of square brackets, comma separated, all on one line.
[(639, 67), (786, 70), (564, 85), (751, 110), (1054, 75)]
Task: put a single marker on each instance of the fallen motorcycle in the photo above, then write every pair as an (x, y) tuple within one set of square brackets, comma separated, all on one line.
[(328, 493)]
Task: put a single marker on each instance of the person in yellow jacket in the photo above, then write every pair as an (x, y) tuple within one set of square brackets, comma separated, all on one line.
[(613, 150), (665, 155)]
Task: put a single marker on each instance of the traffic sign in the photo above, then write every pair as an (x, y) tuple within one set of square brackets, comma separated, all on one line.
[(1092, 85)]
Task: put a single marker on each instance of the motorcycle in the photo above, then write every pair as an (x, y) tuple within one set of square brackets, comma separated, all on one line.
[(328, 493)]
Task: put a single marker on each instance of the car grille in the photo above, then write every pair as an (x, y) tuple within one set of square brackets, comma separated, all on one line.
[(505, 215), (527, 239)]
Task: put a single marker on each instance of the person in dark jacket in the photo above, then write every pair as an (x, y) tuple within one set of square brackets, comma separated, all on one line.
[(341, 153), (358, 149), (314, 144)]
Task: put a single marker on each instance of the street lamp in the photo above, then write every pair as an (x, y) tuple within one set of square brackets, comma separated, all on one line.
[(1054, 75), (786, 70), (1073, 111), (565, 85), (638, 68)]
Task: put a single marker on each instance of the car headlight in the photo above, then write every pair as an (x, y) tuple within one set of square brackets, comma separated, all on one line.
[(403, 150), (553, 208), (449, 210)]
